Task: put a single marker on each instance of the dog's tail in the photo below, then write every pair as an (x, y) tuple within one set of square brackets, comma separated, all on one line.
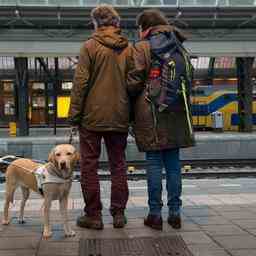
[(5, 161)]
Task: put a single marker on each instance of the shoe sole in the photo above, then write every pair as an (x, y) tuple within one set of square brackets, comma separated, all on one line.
[(119, 226), (96, 227), (174, 226), (154, 227)]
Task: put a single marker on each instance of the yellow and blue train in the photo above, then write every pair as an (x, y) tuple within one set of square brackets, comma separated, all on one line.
[(207, 99)]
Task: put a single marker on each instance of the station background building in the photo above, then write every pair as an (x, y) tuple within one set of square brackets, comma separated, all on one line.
[(40, 41)]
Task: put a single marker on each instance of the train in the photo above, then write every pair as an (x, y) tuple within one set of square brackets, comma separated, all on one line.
[(207, 100)]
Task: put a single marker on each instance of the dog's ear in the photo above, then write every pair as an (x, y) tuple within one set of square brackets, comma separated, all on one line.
[(51, 157), (76, 156)]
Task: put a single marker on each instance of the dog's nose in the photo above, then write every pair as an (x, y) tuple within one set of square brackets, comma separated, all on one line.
[(62, 165)]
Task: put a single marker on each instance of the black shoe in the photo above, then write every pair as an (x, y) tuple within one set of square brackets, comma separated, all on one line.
[(174, 221), (154, 222), (90, 222), (119, 220)]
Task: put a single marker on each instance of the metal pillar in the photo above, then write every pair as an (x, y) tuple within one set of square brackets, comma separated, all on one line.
[(56, 86), (211, 71), (21, 68), (245, 93), (55, 81)]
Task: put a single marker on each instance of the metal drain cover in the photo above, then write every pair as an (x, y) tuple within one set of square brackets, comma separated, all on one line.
[(163, 246)]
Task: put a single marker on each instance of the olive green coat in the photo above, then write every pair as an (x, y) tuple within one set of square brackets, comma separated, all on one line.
[(171, 129)]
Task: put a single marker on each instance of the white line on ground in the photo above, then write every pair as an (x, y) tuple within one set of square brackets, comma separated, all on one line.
[(230, 185), (137, 188), (189, 186), (2, 191)]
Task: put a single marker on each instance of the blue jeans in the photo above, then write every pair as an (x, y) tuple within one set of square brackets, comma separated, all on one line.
[(156, 160)]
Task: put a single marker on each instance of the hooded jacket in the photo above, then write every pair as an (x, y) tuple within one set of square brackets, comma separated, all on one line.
[(99, 98), (170, 130)]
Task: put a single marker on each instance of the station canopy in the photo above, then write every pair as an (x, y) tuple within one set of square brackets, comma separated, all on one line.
[(57, 27), (135, 3)]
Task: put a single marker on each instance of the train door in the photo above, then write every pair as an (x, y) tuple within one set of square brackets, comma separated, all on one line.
[(37, 103), (7, 103)]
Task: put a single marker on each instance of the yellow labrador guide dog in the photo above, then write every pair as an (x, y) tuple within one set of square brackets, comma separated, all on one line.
[(52, 180)]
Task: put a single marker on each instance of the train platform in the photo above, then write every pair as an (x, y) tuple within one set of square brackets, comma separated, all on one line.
[(209, 145), (219, 219)]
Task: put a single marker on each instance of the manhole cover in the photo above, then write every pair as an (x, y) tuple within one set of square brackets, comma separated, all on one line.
[(163, 246)]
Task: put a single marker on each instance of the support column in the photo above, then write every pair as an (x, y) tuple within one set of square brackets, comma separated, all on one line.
[(245, 93), (211, 71), (21, 69)]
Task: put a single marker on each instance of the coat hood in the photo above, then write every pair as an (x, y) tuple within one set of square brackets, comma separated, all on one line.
[(110, 37), (164, 39), (165, 29)]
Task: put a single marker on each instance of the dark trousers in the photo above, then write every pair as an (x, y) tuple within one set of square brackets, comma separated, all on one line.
[(90, 147)]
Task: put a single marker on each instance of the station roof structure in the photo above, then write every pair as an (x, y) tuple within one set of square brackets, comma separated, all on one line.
[(57, 27)]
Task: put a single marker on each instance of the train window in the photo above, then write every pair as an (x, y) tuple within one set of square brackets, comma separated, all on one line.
[(66, 85), (9, 107), (8, 87), (198, 92), (38, 102), (38, 86)]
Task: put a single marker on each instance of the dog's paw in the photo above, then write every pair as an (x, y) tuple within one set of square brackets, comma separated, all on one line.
[(47, 235), (70, 233), (5, 222)]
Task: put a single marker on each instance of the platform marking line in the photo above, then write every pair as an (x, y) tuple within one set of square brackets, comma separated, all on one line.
[(137, 188), (230, 185), (189, 186)]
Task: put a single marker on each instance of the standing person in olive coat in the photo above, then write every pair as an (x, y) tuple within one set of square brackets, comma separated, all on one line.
[(100, 107), (159, 134)]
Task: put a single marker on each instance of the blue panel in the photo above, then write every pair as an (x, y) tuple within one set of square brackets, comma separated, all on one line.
[(235, 119), (207, 109)]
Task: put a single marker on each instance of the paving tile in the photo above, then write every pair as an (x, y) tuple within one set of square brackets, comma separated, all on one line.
[(18, 252), (29, 243), (252, 231), (199, 251), (214, 230), (204, 200), (142, 232), (105, 233), (21, 231), (199, 212), (62, 248), (243, 252), (237, 242), (246, 224), (238, 215), (186, 226), (197, 237), (212, 220), (227, 208)]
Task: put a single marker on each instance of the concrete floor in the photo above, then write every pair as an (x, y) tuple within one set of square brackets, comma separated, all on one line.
[(219, 219)]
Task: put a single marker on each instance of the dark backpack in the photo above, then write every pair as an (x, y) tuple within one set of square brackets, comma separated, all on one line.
[(170, 75)]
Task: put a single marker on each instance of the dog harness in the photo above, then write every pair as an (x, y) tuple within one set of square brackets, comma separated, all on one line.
[(49, 174)]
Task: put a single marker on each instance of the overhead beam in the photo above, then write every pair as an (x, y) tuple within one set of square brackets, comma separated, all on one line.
[(58, 49)]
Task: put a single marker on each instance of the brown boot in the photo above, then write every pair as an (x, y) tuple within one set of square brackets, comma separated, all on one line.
[(174, 221), (90, 222), (154, 222), (119, 220)]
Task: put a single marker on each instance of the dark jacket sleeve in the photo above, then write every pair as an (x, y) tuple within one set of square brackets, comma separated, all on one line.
[(137, 75), (80, 86)]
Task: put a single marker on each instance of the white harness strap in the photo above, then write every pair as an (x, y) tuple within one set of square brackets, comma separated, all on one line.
[(43, 176)]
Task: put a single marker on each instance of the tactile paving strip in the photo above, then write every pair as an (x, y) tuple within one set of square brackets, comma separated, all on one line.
[(162, 246)]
